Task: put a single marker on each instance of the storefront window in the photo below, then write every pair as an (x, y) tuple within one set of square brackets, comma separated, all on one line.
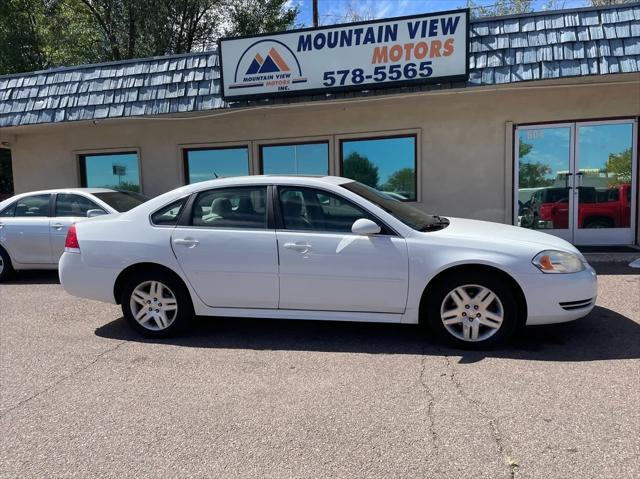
[(295, 159), (386, 164), (544, 161), (118, 171), (209, 163)]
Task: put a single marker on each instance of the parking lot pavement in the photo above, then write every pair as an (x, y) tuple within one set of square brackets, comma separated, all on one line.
[(82, 396)]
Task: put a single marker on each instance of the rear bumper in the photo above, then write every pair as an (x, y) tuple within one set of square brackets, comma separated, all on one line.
[(79, 279), (558, 298)]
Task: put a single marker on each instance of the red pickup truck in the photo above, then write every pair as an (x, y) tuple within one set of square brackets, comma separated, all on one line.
[(597, 207)]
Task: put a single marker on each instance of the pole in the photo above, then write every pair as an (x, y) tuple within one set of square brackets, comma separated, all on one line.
[(315, 13)]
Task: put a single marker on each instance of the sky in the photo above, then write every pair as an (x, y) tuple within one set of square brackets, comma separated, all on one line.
[(333, 11), (551, 145)]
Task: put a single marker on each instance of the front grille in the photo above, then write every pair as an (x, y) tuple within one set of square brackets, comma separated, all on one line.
[(571, 305)]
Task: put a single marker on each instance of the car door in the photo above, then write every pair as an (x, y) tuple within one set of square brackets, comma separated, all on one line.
[(324, 266), (68, 208), (24, 230), (227, 248)]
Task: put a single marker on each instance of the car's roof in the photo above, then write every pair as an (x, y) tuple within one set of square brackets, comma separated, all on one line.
[(267, 179), (65, 190), (89, 191)]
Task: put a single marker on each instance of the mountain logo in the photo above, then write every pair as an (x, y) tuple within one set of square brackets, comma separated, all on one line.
[(273, 63), (266, 65)]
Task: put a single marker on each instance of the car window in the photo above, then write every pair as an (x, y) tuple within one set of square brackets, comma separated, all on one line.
[(168, 215), (122, 201), (32, 206), (74, 205), (318, 210), (8, 211), (242, 207)]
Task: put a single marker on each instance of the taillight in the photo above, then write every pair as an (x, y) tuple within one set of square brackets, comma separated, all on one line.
[(71, 245)]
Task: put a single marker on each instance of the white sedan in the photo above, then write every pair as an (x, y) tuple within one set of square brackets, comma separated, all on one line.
[(33, 226), (322, 248)]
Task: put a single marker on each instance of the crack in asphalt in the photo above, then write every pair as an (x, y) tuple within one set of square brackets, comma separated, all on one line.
[(61, 380), (431, 401), (493, 422)]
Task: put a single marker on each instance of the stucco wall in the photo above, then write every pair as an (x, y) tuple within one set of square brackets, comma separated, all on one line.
[(464, 151)]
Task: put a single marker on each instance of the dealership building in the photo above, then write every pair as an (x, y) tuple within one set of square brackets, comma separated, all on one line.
[(528, 119)]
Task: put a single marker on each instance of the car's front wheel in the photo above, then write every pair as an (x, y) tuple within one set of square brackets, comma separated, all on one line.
[(156, 304), (473, 310)]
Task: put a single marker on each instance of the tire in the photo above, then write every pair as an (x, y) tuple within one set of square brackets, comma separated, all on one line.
[(161, 302), (458, 300), (6, 268)]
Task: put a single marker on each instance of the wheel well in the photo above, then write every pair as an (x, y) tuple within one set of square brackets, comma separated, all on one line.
[(466, 268), (7, 253), (137, 268)]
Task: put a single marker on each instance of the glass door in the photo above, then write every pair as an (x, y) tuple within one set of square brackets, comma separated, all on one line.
[(543, 179), (605, 188), (577, 181)]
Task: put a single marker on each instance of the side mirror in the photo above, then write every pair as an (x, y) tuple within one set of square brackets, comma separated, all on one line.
[(365, 227), (96, 212)]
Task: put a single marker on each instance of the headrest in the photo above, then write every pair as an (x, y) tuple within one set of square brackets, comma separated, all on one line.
[(245, 205), (221, 207), (293, 206)]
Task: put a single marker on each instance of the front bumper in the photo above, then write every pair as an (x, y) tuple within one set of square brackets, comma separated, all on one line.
[(558, 298)]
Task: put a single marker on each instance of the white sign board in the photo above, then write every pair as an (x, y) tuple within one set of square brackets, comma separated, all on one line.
[(393, 52)]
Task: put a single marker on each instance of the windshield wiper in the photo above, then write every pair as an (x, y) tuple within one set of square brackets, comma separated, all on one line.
[(437, 224)]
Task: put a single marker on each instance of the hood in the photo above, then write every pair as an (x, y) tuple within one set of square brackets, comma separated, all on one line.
[(500, 233)]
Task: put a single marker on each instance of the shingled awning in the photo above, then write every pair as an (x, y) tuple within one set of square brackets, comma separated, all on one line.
[(567, 43)]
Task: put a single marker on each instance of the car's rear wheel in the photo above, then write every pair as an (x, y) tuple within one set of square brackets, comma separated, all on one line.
[(473, 310), (156, 304), (6, 268)]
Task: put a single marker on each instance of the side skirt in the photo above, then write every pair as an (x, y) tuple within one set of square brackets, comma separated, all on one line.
[(300, 314)]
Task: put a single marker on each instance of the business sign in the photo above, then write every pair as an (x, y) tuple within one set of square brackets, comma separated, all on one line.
[(427, 48)]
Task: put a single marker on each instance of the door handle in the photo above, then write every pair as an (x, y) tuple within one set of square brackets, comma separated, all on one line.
[(188, 242), (301, 247), (1, 225), (57, 226)]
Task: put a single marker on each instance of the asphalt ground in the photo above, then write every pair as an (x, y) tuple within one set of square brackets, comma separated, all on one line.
[(83, 396)]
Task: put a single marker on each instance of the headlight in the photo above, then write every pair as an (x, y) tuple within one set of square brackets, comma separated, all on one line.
[(551, 261)]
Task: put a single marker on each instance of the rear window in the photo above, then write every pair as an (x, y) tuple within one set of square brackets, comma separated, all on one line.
[(121, 201)]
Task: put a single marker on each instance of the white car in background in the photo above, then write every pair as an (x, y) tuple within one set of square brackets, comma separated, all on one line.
[(322, 248), (33, 226)]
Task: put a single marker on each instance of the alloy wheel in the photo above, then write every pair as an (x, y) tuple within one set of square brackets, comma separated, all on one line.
[(472, 312), (153, 305)]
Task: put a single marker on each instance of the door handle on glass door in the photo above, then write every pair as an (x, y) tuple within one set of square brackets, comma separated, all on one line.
[(301, 247), (188, 242)]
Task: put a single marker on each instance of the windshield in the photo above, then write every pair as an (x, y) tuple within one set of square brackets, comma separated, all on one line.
[(121, 201), (409, 215)]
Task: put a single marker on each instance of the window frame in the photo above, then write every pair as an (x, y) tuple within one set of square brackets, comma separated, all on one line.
[(55, 204), (185, 149), (385, 229), (415, 134), (186, 216), (82, 163)]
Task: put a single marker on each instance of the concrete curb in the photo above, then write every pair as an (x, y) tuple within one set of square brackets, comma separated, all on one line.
[(612, 257)]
